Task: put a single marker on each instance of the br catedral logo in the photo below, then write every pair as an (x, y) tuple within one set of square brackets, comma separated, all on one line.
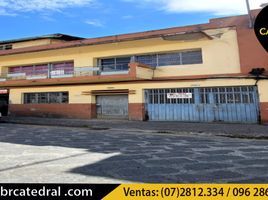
[(261, 27)]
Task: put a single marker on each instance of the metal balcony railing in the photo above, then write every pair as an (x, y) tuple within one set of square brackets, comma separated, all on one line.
[(66, 72)]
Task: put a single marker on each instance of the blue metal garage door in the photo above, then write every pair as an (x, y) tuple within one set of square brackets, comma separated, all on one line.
[(218, 104)]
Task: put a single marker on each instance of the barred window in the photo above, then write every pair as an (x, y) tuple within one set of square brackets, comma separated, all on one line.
[(46, 98), (177, 58), (160, 96), (227, 95)]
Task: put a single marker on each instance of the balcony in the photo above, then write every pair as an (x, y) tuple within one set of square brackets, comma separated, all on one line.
[(132, 71)]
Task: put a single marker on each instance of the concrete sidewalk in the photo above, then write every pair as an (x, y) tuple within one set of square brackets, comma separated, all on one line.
[(217, 129)]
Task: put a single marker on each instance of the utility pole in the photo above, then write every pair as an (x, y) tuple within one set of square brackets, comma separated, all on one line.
[(249, 15)]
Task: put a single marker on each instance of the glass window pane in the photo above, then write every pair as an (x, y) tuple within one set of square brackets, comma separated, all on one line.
[(41, 69), (108, 64), (55, 97), (169, 59), (65, 97), (30, 98), (14, 70), (46, 97), (192, 57), (122, 63), (150, 60), (28, 70), (66, 67), (42, 98)]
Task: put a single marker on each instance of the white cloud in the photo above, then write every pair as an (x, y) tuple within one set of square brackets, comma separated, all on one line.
[(216, 7), (3, 12), (11, 7), (94, 22)]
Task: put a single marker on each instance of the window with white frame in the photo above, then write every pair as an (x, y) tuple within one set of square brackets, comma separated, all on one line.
[(174, 58), (186, 57), (114, 64)]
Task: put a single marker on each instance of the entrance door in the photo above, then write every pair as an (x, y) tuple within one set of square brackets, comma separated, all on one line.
[(112, 107)]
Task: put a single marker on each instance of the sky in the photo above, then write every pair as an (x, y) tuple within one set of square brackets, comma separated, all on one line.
[(96, 18)]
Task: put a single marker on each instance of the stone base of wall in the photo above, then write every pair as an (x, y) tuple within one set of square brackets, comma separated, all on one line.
[(264, 112), (79, 111)]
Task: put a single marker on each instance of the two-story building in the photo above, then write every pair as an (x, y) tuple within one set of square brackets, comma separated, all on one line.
[(198, 73)]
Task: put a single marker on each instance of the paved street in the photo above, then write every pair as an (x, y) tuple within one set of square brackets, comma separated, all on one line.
[(31, 153)]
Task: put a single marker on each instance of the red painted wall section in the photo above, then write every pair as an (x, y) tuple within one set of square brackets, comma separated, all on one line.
[(79, 111), (252, 54), (136, 111), (264, 113)]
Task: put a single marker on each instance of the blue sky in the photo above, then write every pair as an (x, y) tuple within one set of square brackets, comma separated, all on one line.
[(95, 18)]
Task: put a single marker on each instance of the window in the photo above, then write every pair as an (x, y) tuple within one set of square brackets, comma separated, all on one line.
[(169, 59), (46, 98), (65, 67), (191, 57), (178, 58), (42, 69), (148, 60), (6, 47), (154, 60), (115, 64)]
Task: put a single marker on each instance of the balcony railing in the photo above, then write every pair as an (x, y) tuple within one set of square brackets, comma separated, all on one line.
[(134, 71), (64, 73)]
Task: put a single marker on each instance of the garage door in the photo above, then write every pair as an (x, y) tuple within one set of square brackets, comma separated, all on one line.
[(219, 104), (112, 107)]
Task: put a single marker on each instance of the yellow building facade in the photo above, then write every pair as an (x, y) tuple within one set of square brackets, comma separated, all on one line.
[(180, 74)]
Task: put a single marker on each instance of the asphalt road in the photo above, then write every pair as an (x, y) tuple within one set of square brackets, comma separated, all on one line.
[(80, 155)]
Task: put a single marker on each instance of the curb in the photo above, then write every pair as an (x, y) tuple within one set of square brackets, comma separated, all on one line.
[(152, 131)]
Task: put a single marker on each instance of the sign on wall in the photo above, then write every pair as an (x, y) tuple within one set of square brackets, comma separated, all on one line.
[(3, 91), (179, 95), (57, 72)]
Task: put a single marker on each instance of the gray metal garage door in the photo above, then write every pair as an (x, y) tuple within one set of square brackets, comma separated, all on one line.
[(112, 107), (219, 104)]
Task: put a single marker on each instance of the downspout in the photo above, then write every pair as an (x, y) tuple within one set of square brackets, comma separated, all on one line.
[(251, 23), (257, 72)]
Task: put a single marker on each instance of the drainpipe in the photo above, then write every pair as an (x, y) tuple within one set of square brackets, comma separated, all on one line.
[(249, 15), (257, 72)]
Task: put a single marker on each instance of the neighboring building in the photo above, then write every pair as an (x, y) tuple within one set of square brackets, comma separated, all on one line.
[(195, 73)]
